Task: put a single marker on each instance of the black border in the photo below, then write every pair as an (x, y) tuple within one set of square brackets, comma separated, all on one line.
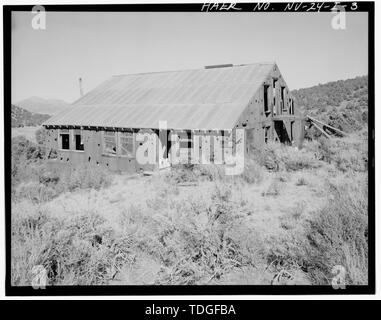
[(202, 289)]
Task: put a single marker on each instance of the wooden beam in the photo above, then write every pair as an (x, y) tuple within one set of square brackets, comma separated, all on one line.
[(321, 130), (326, 125)]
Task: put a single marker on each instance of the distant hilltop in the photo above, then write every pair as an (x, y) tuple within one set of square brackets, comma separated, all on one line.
[(43, 106)]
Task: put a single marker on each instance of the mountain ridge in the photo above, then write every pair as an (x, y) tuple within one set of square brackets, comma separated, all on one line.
[(40, 105)]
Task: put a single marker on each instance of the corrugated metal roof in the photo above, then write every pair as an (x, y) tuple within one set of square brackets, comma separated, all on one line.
[(190, 99)]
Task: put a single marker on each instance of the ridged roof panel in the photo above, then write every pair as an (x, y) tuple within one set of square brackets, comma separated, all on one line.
[(190, 99)]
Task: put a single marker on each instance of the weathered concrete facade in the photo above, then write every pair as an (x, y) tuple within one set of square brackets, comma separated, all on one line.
[(269, 114)]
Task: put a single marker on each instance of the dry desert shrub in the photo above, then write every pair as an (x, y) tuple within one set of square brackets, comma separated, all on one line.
[(194, 173), (338, 235), (294, 159), (85, 177), (180, 174), (347, 154), (301, 181), (283, 176), (34, 191), (210, 172), (292, 219), (253, 172), (195, 242), (335, 235), (78, 250), (32, 179), (272, 190), (279, 157), (49, 184)]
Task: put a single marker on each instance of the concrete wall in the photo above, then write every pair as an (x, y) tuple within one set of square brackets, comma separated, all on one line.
[(93, 153)]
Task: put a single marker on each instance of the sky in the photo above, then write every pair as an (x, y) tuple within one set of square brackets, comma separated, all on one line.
[(94, 46)]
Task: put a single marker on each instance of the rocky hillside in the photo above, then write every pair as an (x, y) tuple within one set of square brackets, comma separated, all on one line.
[(342, 104), (24, 118)]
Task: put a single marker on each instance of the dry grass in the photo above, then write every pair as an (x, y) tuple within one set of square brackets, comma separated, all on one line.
[(302, 182), (273, 189), (347, 154), (337, 234), (272, 224), (80, 250), (51, 184)]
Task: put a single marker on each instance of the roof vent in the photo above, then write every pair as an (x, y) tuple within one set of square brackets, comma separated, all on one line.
[(80, 87), (219, 66)]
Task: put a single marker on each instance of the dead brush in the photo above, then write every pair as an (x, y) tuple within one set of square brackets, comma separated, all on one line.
[(81, 250), (337, 234), (284, 272), (204, 257), (347, 154), (199, 253), (292, 218), (283, 176), (279, 157), (157, 202), (273, 190), (41, 185), (295, 159), (283, 254), (192, 174), (253, 172), (302, 182), (210, 172), (84, 177), (268, 158), (181, 174)]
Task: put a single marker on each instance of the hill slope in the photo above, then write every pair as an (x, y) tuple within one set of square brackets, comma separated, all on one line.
[(45, 106), (22, 117), (342, 104)]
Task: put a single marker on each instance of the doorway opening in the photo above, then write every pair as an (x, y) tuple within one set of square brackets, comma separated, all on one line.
[(281, 131)]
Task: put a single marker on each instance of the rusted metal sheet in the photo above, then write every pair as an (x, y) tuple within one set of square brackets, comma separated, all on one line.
[(189, 99)]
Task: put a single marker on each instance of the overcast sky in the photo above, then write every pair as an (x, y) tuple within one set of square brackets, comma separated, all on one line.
[(95, 46)]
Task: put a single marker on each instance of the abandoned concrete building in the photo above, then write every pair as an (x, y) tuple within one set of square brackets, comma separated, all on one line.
[(102, 127)]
